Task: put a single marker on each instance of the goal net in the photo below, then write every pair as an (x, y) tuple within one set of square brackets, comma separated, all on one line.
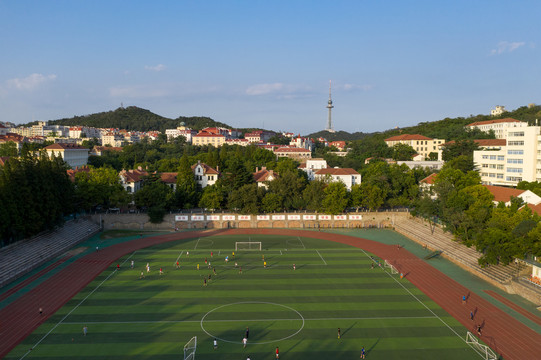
[(248, 245), (482, 349), (390, 267), (189, 349)]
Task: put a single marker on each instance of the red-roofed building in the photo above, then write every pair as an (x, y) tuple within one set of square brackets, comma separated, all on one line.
[(241, 142), (347, 176), (204, 174), (208, 138), (535, 208), (263, 177), (73, 172), (169, 179), (504, 194), (421, 144), (258, 136), (340, 145), (17, 139), (132, 180), (74, 155), (499, 126)]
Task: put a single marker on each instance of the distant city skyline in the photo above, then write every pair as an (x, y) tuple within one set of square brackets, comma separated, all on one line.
[(268, 64)]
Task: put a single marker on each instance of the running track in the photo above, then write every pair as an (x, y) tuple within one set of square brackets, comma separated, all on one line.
[(504, 334)]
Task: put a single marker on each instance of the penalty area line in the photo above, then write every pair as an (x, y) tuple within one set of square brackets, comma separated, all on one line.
[(321, 257)]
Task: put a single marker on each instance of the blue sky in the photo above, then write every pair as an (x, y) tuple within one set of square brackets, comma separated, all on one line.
[(268, 63)]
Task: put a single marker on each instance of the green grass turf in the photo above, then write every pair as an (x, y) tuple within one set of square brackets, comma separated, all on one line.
[(299, 310)]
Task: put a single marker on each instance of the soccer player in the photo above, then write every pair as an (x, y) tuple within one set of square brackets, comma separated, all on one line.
[(463, 299), (471, 315), (205, 260), (132, 263), (85, 330), (363, 355), (294, 267), (161, 271), (215, 344), (142, 275), (277, 353), (240, 269), (339, 333), (197, 266), (265, 264), (247, 333), (244, 342), (187, 254), (178, 265), (204, 281), (214, 270)]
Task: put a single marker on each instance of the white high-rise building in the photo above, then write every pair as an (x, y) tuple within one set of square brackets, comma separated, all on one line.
[(499, 126), (518, 160)]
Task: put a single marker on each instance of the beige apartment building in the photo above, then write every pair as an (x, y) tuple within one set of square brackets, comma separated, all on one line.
[(421, 144)]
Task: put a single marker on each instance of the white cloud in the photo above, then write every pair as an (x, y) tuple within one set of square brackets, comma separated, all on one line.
[(506, 46), (353, 87), (279, 90), (30, 82), (159, 67)]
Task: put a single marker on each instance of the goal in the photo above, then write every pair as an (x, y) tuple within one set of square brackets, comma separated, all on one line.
[(483, 350), (248, 245), (189, 349), (391, 267)]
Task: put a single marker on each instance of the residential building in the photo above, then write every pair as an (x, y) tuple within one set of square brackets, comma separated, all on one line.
[(132, 180), (241, 142), (112, 139), (169, 179), (518, 159), (263, 177), (499, 126), (426, 184), (347, 176), (421, 144), (17, 139), (3, 129), (302, 142), (340, 145), (204, 174), (313, 165), (207, 138), (258, 136), (431, 165), (174, 133), (504, 194), (294, 153), (74, 155), (498, 110)]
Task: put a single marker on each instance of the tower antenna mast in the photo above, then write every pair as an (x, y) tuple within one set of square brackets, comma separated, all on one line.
[(330, 106)]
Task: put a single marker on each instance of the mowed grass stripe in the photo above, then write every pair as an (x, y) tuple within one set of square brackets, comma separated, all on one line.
[(368, 305)]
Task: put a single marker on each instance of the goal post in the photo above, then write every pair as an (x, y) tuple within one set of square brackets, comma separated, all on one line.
[(483, 350), (248, 246), (391, 267), (189, 349)]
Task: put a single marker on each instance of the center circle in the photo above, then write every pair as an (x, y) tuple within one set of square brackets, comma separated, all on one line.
[(244, 305)]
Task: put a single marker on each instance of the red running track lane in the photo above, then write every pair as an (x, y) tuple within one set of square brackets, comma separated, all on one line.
[(505, 335), (36, 276), (512, 305)]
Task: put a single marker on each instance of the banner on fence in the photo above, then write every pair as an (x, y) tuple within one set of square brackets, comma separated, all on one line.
[(294, 217), (228, 217), (181, 217), (309, 217), (324, 217), (198, 217), (213, 217), (245, 217), (355, 217), (278, 217), (263, 217)]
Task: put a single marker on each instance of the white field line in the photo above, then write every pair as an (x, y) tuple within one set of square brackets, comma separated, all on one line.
[(430, 310), (250, 320), (176, 261), (321, 257), (197, 243), (280, 252), (75, 308), (304, 247)]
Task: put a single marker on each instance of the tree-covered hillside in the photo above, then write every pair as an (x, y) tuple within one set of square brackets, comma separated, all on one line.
[(136, 119)]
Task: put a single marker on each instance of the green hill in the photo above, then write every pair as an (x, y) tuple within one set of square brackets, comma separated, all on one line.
[(136, 119)]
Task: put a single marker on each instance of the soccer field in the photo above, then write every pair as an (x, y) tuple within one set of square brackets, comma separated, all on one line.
[(300, 311)]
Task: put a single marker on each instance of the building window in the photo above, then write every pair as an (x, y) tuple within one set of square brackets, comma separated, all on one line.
[(514, 170), (515, 152), (514, 161), (500, 158)]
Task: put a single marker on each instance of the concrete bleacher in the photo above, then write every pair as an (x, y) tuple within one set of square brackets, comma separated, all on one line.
[(435, 239), (22, 257)]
